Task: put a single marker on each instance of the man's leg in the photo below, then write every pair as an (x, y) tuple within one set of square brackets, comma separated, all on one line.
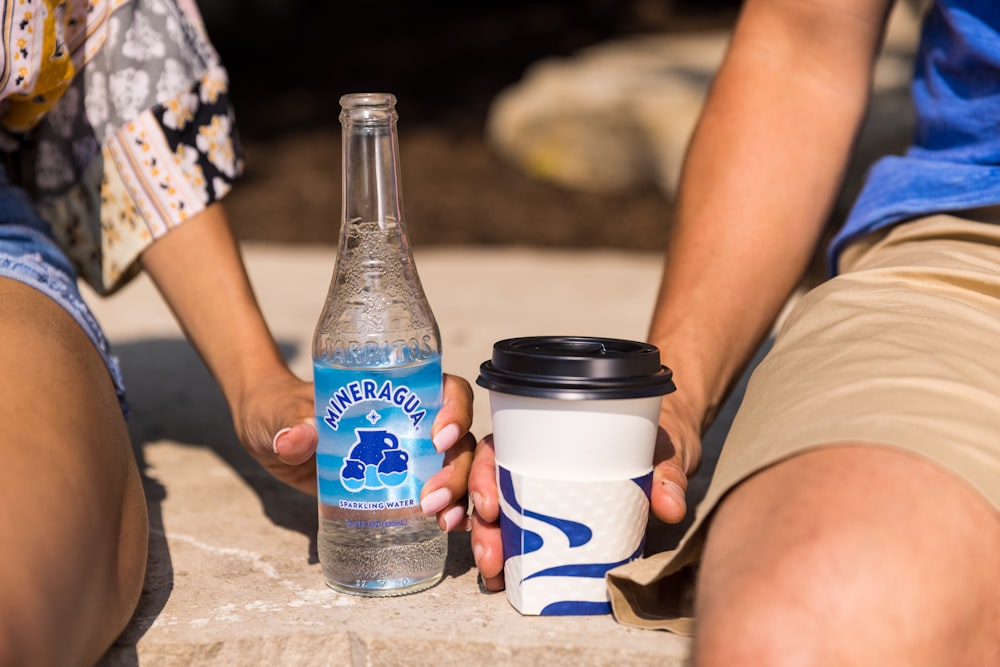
[(851, 555), (73, 525)]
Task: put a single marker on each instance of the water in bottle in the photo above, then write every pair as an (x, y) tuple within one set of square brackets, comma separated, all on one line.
[(377, 373)]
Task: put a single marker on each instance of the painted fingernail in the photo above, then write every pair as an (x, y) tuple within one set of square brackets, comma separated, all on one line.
[(453, 518), (445, 438), (435, 501), (277, 436)]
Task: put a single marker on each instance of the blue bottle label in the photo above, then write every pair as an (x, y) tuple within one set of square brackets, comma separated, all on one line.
[(375, 450)]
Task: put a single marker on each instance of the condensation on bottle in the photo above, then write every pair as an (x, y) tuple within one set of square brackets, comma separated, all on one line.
[(377, 373)]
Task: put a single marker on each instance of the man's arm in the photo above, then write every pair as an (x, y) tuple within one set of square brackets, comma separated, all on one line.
[(759, 180), (761, 175)]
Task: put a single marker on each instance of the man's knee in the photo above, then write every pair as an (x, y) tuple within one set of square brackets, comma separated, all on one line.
[(788, 607), (854, 554)]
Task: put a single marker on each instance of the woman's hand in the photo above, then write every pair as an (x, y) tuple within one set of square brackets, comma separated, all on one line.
[(275, 422), (199, 271), (445, 494)]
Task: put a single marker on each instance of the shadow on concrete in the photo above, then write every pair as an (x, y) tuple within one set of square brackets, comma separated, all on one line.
[(180, 402), (173, 397), (460, 558)]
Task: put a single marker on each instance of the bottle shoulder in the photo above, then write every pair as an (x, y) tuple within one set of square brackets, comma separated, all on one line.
[(348, 347)]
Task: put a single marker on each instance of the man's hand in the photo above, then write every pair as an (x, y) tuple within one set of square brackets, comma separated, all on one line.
[(676, 459)]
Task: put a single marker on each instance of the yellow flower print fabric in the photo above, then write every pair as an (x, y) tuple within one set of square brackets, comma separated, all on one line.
[(128, 137)]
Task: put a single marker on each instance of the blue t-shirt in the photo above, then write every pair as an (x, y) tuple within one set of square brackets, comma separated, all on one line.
[(954, 160)]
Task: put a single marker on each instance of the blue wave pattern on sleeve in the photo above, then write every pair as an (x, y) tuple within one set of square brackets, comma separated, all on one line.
[(518, 542), (577, 533), (507, 489), (646, 484), (585, 569), (576, 608)]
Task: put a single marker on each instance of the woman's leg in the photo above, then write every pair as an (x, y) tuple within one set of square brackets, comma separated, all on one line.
[(73, 525)]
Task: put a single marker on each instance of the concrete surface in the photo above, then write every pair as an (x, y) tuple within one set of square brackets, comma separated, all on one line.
[(233, 577)]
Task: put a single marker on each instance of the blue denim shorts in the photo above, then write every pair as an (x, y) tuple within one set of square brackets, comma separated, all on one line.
[(29, 254)]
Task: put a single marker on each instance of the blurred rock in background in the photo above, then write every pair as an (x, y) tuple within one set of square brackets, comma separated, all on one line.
[(291, 60), (617, 116), (544, 123)]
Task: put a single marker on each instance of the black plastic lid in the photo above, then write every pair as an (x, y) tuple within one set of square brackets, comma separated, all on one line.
[(575, 367)]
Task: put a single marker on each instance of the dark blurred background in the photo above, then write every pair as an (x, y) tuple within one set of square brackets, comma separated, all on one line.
[(290, 61)]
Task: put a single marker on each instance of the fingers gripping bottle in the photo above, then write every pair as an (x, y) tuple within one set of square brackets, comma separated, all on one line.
[(377, 373)]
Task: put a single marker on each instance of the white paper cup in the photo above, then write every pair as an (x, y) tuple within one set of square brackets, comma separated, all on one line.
[(574, 427)]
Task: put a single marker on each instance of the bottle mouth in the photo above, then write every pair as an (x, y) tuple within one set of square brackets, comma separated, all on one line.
[(373, 107)]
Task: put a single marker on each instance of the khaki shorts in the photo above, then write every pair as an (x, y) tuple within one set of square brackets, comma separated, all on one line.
[(901, 349)]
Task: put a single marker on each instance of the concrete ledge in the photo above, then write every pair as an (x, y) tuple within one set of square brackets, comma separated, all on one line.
[(233, 577)]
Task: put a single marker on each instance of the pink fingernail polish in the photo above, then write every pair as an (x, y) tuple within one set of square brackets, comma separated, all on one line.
[(445, 438), (453, 518), (435, 501), (278, 436)]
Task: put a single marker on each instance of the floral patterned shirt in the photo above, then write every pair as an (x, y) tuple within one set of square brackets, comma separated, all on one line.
[(115, 117)]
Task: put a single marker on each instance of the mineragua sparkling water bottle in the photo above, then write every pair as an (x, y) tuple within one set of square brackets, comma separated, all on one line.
[(377, 372)]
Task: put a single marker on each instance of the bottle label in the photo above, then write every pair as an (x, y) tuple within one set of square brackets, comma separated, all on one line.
[(375, 450)]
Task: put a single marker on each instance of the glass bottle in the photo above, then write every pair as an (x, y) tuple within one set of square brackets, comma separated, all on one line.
[(377, 372)]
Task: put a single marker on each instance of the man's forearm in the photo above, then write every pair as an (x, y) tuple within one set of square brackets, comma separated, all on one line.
[(763, 169)]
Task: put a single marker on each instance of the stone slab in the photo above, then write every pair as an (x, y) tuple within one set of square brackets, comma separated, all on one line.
[(233, 577)]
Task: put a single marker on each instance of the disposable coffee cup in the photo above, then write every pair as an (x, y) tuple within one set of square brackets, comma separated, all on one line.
[(574, 428)]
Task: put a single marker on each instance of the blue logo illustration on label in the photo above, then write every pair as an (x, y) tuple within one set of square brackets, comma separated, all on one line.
[(375, 450), (374, 462)]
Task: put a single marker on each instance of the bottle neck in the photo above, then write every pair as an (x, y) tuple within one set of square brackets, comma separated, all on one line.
[(371, 189)]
